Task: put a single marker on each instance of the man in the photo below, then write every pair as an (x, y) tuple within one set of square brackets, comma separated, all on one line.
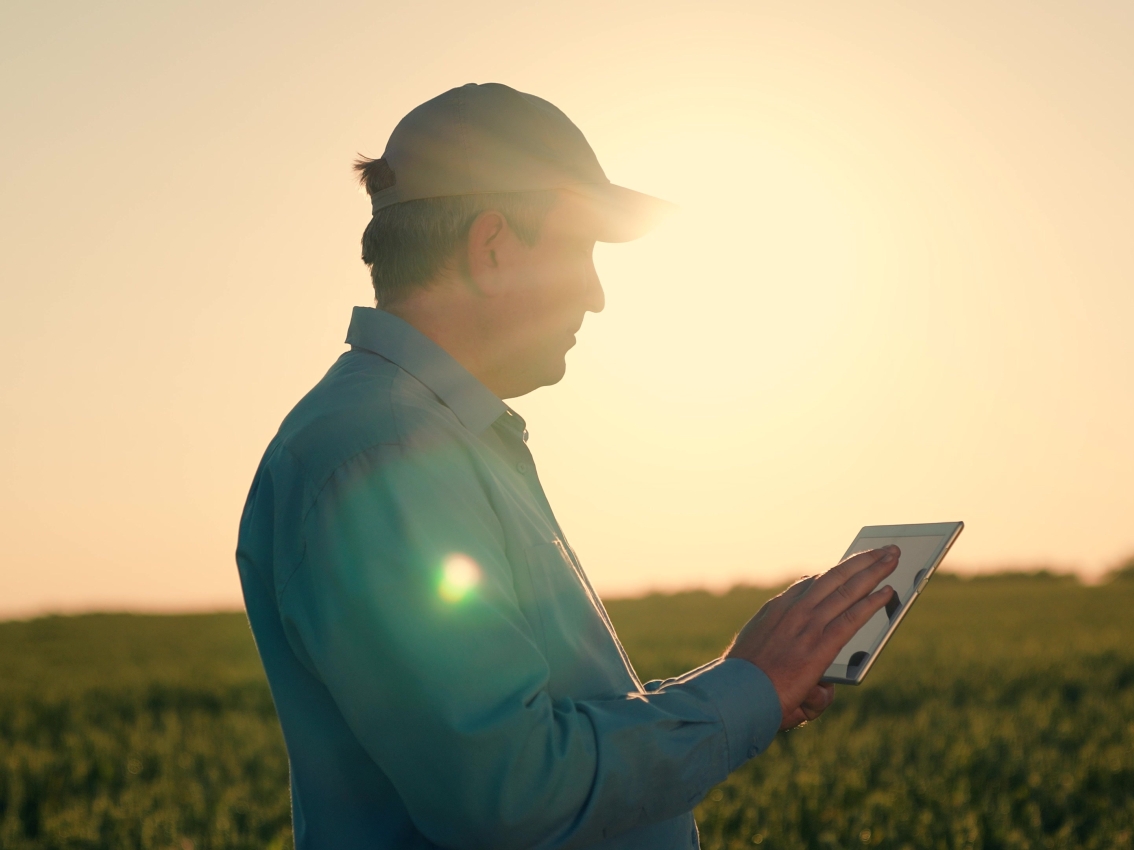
[(444, 674)]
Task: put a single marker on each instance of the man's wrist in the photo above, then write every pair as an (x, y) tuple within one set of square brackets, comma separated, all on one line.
[(748, 706)]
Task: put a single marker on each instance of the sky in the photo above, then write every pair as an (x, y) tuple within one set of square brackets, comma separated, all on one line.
[(900, 287)]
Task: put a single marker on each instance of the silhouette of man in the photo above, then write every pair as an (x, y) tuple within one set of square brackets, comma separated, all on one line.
[(444, 674)]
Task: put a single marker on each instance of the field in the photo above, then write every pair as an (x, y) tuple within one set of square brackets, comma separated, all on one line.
[(1002, 716)]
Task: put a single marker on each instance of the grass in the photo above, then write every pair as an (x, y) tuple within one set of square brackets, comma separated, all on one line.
[(1001, 716)]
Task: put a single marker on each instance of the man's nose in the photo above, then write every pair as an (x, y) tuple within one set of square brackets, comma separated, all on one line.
[(596, 298)]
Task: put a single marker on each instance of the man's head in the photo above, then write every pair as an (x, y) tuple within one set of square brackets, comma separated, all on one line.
[(486, 207)]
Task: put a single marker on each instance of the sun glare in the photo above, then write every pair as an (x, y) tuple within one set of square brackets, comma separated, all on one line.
[(459, 575)]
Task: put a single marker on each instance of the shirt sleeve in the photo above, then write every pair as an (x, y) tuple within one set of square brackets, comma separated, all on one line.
[(404, 607)]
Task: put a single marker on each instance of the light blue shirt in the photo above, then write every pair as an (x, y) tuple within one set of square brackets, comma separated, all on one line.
[(444, 673)]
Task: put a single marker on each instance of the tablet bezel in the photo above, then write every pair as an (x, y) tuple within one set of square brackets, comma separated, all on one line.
[(949, 531)]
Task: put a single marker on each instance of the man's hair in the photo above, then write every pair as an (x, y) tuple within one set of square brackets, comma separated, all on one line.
[(407, 244)]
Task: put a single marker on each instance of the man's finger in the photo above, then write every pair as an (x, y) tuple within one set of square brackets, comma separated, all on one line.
[(842, 628), (837, 576), (818, 699), (854, 589)]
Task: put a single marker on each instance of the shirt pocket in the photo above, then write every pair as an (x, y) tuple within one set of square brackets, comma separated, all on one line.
[(584, 656)]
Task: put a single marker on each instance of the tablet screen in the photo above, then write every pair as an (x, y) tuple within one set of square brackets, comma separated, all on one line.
[(922, 547)]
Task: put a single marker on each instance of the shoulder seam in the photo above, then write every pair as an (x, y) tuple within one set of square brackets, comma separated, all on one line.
[(396, 418), (315, 500)]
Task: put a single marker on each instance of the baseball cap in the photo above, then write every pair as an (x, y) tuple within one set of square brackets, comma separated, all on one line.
[(488, 139)]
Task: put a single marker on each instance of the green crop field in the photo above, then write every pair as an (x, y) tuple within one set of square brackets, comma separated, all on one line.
[(1001, 716)]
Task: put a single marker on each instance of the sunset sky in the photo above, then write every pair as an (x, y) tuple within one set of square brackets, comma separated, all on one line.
[(900, 287)]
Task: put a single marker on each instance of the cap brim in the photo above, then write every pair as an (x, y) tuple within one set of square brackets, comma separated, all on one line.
[(623, 214)]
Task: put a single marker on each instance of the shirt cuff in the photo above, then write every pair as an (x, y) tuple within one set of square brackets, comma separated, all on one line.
[(747, 703)]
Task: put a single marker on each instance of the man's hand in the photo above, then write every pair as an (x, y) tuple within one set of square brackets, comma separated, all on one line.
[(795, 636)]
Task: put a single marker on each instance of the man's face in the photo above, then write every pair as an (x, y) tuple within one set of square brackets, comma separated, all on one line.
[(547, 289)]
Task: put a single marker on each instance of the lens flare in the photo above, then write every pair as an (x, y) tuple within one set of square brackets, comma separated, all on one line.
[(459, 575)]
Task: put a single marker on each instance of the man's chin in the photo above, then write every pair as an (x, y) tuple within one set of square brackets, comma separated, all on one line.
[(554, 373), (546, 377), (557, 372)]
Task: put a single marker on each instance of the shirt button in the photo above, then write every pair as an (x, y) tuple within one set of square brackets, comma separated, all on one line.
[(753, 751), (521, 467)]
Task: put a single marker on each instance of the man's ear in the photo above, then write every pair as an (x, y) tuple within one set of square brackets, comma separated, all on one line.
[(487, 236)]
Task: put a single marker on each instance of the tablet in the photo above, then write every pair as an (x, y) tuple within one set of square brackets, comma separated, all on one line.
[(923, 547)]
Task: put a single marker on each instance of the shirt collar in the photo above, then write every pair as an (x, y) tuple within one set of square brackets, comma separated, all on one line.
[(407, 347)]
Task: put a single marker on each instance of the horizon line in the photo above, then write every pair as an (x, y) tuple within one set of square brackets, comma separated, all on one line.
[(963, 573)]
